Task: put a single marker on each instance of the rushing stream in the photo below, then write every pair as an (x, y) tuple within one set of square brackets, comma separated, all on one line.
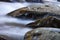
[(13, 28)]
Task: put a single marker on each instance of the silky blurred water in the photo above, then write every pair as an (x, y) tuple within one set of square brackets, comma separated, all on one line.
[(13, 28)]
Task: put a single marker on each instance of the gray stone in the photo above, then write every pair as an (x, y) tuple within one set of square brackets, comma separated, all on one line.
[(42, 34), (32, 11)]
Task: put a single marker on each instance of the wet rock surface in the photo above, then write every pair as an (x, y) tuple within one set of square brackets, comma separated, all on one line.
[(42, 34), (47, 15), (36, 11), (48, 21)]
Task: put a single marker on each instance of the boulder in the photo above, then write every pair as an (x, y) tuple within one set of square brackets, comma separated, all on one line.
[(48, 21), (42, 34), (35, 11)]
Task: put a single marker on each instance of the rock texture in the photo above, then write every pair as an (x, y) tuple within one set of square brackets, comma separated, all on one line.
[(35, 11), (47, 15), (48, 21), (41, 34)]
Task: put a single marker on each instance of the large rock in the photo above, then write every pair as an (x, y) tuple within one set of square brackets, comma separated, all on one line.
[(42, 34), (36, 11), (48, 21)]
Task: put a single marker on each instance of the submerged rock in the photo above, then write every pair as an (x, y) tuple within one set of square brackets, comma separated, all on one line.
[(48, 21), (42, 34), (2, 38), (35, 11)]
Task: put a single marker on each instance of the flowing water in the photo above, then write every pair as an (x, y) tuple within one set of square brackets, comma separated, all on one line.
[(13, 28)]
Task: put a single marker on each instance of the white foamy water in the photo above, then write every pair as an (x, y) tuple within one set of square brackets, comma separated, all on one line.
[(9, 26), (13, 28), (8, 7)]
